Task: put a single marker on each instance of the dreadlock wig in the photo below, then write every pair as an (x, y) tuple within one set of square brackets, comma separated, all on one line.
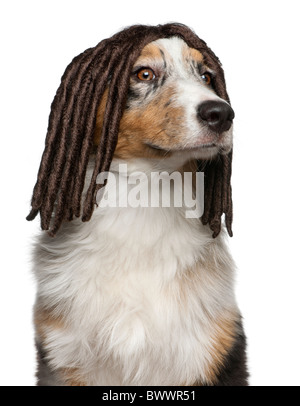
[(69, 141)]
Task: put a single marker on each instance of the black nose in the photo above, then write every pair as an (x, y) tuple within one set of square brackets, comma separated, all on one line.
[(217, 114)]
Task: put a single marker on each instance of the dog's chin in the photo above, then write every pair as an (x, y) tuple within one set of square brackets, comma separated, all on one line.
[(204, 152), (201, 151), (207, 152)]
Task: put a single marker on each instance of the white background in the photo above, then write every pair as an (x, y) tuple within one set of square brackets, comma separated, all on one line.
[(258, 44)]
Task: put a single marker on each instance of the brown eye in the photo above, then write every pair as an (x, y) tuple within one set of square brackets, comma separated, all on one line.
[(206, 77), (145, 74)]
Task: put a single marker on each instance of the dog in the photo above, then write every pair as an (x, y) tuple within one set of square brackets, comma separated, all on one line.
[(145, 295)]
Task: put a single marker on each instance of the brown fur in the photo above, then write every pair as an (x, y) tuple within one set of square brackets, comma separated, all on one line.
[(191, 53), (71, 377), (150, 51), (225, 332), (45, 319)]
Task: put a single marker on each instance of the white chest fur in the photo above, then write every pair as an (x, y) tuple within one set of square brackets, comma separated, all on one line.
[(138, 288)]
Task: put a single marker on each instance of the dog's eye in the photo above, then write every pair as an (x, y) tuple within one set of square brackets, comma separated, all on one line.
[(206, 77), (145, 74)]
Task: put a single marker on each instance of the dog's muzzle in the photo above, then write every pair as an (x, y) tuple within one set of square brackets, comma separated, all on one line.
[(216, 114)]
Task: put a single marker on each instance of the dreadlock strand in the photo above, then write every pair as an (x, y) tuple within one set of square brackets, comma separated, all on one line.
[(224, 184), (209, 177), (101, 77), (216, 204), (32, 214), (70, 210), (222, 201), (227, 159), (53, 183), (78, 122), (229, 213), (227, 175), (64, 196), (116, 100)]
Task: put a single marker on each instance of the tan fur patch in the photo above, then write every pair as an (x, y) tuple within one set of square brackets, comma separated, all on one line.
[(191, 53), (222, 342), (159, 123), (72, 377), (45, 319), (149, 53)]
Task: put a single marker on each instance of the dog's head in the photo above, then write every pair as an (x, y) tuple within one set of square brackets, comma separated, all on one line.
[(172, 107), (149, 92)]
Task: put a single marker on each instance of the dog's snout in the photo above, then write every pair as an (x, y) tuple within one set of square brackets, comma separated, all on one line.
[(217, 114)]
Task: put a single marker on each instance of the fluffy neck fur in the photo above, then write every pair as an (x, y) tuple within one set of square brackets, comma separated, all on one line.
[(140, 293)]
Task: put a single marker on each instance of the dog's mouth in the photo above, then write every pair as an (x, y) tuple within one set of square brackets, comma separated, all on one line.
[(205, 146), (156, 147)]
